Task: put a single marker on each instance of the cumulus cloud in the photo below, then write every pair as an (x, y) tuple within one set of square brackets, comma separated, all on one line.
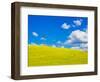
[(78, 39), (35, 34), (69, 41), (84, 46), (65, 26), (78, 36), (77, 22)]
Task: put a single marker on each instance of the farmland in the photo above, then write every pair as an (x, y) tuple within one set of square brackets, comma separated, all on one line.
[(48, 56)]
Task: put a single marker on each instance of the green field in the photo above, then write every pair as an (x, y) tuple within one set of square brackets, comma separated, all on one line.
[(47, 56)]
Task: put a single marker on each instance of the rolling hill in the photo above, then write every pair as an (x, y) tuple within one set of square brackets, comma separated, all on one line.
[(48, 56)]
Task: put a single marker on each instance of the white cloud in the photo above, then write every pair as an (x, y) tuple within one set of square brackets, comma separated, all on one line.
[(78, 36), (65, 26), (42, 38), (78, 22), (35, 34), (69, 41), (84, 46), (78, 40)]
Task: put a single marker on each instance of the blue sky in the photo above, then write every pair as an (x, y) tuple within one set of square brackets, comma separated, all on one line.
[(57, 31)]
